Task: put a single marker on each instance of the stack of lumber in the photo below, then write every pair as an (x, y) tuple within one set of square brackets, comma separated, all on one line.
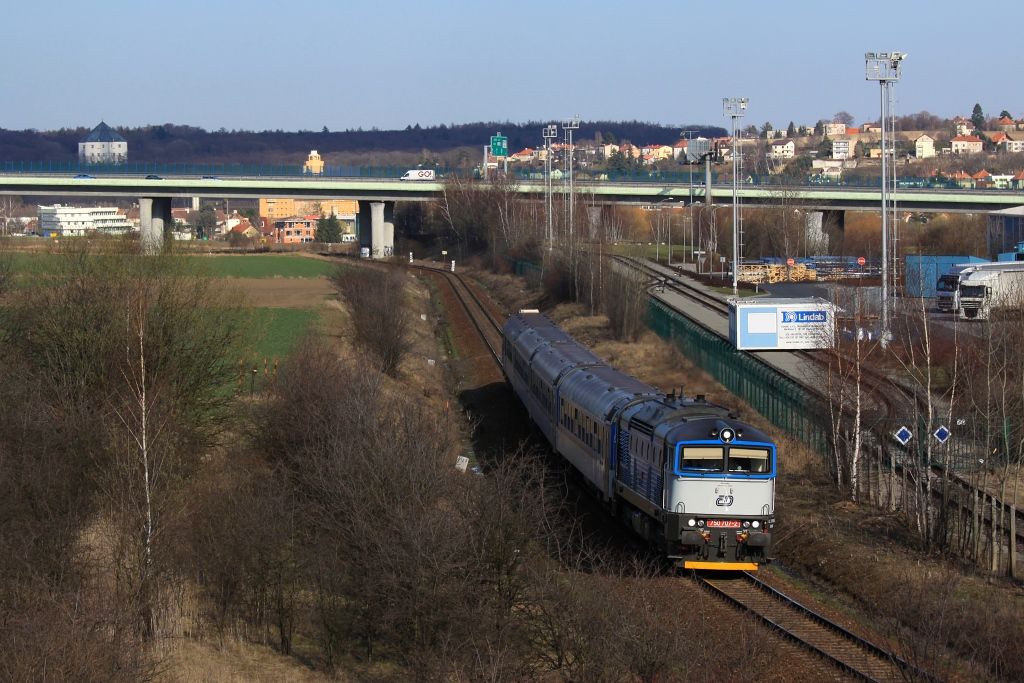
[(768, 273)]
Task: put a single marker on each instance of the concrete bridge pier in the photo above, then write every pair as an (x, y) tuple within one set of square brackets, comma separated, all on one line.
[(379, 218), (155, 215)]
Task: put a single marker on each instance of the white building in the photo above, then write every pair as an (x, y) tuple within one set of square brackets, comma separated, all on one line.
[(783, 149), (77, 221), (103, 146), (924, 147), (843, 148)]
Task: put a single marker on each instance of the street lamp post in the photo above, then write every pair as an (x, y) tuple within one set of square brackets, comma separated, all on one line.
[(884, 67), (734, 108)]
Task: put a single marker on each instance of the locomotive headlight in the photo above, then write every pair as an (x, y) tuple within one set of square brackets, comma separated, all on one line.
[(756, 524), (726, 435), (700, 522), (691, 522), (746, 524)]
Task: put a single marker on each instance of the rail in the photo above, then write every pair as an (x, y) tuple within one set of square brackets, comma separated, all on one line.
[(842, 648)]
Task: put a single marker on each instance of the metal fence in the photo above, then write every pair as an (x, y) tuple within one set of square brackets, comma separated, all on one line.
[(779, 399)]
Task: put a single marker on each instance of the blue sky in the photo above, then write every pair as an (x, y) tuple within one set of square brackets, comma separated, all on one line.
[(309, 63)]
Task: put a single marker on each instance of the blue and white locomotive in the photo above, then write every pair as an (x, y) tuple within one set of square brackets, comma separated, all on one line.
[(685, 474)]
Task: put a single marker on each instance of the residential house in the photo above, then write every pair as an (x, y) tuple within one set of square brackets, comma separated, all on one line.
[(843, 148), (966, 144), (924, 146), (835, 128), (604, 151), (962, 179), (982, 179), (657, 152), (245, 229), (276, 208), (1006, 124), (525, 155), (782, 149), (870, 128), (180, 217), (1019, 124), (295, 230), (852, 132), (103, 145), (1017, 181), (962, 126), (630, 151), (1012, 146), (1002, 181), (997, 138), (679, 149)]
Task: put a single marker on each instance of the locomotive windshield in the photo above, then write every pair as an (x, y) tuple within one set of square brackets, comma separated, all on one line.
[(739, 459), (704, 458), (753, 460)]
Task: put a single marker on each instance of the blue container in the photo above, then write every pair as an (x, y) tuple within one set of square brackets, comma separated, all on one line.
[(922, 272)]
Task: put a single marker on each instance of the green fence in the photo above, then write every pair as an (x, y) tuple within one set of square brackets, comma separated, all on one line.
[(780, 400)]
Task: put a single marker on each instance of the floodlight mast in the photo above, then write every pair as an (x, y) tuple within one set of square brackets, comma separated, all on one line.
[(734, 108), (884, 67), (569, 126), (549, 133)]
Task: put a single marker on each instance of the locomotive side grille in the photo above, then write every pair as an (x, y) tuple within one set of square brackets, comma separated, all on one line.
[(641, 427), (625, 474)]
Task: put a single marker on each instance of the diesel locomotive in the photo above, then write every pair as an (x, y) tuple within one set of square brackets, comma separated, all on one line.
[(685, 474)]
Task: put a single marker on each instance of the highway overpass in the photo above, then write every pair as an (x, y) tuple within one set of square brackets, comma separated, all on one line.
[(390, 190)]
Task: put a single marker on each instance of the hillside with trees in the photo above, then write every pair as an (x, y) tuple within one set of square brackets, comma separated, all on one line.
[(171, 143)]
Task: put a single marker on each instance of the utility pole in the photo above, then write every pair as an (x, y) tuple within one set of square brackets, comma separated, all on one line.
[(734, 108), (884, 67)]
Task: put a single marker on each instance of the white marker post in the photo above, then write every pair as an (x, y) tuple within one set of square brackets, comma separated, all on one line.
[(453, 265)]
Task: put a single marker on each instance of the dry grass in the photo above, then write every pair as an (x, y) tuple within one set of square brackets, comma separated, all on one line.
[(189, 661)]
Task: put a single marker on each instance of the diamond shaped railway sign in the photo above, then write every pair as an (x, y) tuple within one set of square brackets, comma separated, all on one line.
[(903, 435), (941, 434)]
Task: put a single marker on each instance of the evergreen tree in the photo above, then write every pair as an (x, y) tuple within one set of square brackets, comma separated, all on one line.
[(328, 229), (977, 117), (791, 130)]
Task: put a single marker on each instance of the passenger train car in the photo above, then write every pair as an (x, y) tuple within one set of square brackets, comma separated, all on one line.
[(686, 475)]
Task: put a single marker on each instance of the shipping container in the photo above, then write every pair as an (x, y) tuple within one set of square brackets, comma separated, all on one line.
[(921, 273)]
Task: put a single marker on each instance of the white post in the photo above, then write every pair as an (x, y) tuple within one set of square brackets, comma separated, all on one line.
[(453, 265)]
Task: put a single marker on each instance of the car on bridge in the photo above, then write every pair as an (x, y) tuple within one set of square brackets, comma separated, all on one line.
[(153, 176), (84, 176)]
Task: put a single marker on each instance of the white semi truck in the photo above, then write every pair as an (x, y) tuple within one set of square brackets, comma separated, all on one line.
[(984, 290)]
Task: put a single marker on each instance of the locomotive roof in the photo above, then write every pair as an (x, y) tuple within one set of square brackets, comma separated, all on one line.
[(602, 390)]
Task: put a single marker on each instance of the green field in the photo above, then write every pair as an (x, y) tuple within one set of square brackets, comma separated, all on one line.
[(262, 265), (277, 330), (243, 265)]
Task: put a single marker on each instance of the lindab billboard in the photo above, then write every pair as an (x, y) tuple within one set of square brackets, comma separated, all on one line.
[(787, 324)]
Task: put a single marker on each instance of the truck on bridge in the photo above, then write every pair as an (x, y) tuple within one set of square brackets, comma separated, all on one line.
[(987, 290)]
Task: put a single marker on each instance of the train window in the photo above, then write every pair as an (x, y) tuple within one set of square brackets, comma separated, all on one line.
[(704, 458), (753, 460)]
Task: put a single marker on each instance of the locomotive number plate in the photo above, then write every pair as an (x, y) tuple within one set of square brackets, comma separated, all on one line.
[(724, 523)]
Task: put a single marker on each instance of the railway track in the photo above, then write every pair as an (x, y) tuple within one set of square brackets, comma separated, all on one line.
[(482, 319), (841, 648)]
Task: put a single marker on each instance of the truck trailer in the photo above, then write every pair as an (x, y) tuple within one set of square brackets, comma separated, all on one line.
[(984, 291)]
